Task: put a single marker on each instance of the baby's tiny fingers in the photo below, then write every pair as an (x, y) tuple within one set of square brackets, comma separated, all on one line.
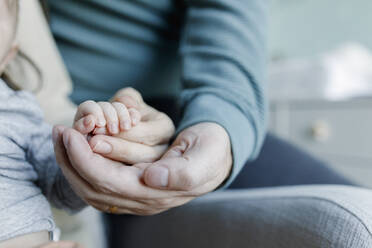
[(111, 117), (100, 130), (135, 115), (86, 124), (124, 116), (91, 108)]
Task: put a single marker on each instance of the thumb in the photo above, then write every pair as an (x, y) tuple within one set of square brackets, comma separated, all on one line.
[(82, 157), (179, 169)]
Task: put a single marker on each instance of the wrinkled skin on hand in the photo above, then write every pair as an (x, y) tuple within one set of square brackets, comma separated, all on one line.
[(196, 163)]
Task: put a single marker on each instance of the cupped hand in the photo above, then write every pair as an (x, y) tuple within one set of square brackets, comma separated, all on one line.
[(197, 162), (145, 142)]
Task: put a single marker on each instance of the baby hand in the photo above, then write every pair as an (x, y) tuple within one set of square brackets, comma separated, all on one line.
[(106, 117)]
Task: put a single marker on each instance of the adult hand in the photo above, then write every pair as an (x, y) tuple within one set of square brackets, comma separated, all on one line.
[(197, 162), (146, 142), (61, 244)]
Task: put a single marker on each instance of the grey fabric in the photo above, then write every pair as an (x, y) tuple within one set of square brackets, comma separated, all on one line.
[(288, 217), (29, 174)]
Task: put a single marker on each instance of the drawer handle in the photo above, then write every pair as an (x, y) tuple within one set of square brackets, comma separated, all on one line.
[(321, 131)]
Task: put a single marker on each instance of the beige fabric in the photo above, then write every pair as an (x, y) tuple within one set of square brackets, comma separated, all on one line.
[(36, 41), (26, 241)]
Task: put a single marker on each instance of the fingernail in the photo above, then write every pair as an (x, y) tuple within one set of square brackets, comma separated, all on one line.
[(127, 125), (102, 147), (158, 176), (114, 128)]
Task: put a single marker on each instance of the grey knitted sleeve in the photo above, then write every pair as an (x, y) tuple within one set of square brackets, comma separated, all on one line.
[(29, 174)]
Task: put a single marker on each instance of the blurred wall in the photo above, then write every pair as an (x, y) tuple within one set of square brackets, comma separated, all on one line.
[(303, 28)]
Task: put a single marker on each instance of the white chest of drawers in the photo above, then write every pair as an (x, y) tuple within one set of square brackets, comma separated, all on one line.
[(338, 132)]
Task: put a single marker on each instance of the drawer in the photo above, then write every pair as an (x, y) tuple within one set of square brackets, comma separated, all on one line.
[(336, 131)]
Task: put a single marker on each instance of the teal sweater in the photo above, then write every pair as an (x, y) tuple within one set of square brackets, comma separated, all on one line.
[(210, 54)]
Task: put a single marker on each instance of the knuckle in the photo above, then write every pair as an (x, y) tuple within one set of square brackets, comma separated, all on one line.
[(104, 105), (170, 125), (117, 104), (124, 153), (130, 90), (162, 116), (123, 91)]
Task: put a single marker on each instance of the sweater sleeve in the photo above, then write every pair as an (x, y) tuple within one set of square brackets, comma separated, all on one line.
[(50, 177), (29, 174), (223, 63), (25, 131)]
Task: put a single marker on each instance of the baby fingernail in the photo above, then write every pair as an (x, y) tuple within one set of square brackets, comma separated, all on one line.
[(102, 147), (114, 128), (127, 125)]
